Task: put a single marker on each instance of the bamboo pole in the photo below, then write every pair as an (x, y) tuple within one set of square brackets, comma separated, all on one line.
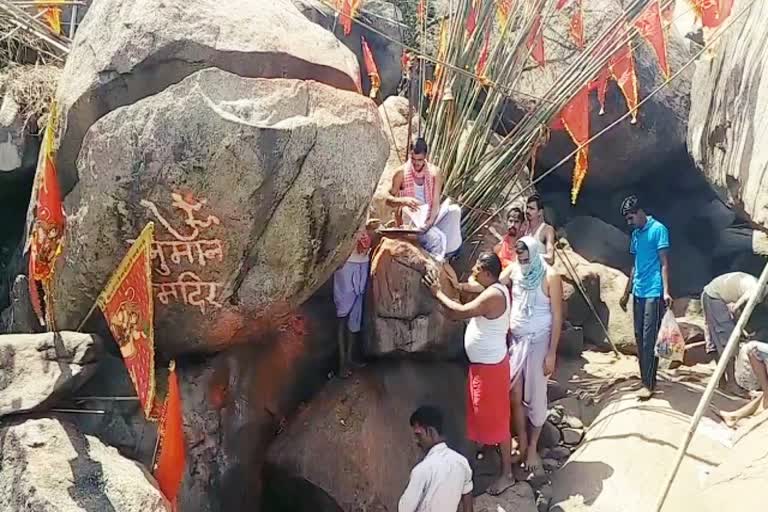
[(730, 349)]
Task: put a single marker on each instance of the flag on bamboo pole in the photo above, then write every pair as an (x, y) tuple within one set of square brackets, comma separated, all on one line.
[(51, 15), (442, 51), (575, 119), (171, 454), (650, 27), (577, 25), (346, 16), (561, 4), (127, 305), (623, 71), (600, 84), (535, 41), (371, 69), (482, 61), (712, 12), (47, 233), (421, 10), (503, 9)]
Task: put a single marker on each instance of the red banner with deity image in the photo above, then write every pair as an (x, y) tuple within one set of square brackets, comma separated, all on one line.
[(127, 305)]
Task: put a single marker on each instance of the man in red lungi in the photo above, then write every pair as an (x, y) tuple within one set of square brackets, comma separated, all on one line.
[(485, 341)]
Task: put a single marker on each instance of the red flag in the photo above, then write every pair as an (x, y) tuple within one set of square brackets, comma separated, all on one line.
[(472, 19), (712, 12), (371, 69), (482, 62), (346, 16), (535, 41), (171, 454), (561, 4), (127, 304), (623, 71), (575, 119), (577, 25), (600, 84), (650, 28), (421, 11)]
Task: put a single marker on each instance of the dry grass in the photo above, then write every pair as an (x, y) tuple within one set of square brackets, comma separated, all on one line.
[(32, 87)]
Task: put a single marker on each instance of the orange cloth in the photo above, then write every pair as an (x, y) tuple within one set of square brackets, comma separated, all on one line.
[(505, 250), (171, 455), (488, 407)]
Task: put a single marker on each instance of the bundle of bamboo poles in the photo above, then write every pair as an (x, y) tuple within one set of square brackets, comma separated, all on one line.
[(26, 39), (467, 107)]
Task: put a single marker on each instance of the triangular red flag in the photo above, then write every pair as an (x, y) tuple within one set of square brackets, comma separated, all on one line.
[(712, 12), (575, 118), (535, 41), (600, 84), (623, 71), (472, 19), (346, 16), (650, 27), (171, 454), (577, 25), (370, 68), (561, 4), (482, 62)]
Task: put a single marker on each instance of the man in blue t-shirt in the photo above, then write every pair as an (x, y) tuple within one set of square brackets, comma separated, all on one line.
[(649, 284)]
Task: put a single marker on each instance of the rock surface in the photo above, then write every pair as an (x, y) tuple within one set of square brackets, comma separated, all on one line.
[(728, 113), (49, 466), (124, 52), (37, 369), (385, 18), (599, 242), (618, 158), (260, 248), (338, 442), (402, 316)]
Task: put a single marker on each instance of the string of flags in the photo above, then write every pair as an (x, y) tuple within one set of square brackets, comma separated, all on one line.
[(51, 14)]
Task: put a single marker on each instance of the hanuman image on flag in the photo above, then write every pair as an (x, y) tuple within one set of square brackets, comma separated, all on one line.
[(127, 304)]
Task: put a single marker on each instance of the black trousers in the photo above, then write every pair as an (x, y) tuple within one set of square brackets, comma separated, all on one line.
[(647, 318)]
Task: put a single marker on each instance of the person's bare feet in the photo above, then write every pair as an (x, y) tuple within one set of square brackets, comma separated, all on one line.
[(533, 463), (504, 482), (644, 394)]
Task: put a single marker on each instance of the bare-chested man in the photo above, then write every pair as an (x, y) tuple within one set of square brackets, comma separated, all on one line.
[(418, 183), (539, 229)]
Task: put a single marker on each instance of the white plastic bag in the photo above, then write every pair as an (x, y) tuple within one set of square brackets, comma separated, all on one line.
[(670, 343)]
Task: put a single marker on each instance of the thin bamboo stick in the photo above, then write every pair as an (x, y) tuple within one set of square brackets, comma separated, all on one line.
[(728, 353)]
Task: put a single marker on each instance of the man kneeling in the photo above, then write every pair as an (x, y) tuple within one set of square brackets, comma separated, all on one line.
[(485, 341)]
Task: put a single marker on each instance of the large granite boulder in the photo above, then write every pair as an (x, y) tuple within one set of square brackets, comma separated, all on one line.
[(126, 51), (14, 138), (729, 103), (256, 188), (384, 37), (353, 443), (37, 369), (599, 242), (49, 466), (402, 316), (620, 156)]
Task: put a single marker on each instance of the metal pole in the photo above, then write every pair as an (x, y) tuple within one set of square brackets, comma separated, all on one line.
[(730, 349)]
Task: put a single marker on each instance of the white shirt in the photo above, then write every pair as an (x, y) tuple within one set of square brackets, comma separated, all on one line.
[(420, 193), (438, 482), (730, 287), (485, 339)]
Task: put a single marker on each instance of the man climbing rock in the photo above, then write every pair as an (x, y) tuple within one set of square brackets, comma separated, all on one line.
[(485, 341), (537, 317), (349, 284), (722, 300), (539, 229), (419, 183), (758, 359), (505, 249), (649, 285), (443, 479)]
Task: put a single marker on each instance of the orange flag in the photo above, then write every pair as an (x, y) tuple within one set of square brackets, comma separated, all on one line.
[(127, 305), (51, 15), (575, 119), (346, 17), (482, 61), (47, 233), (561, 4), (472, 19), (650, 28), (503, 8), (577, 25), (623, 71), (171, 454), (535, 41), (371, 69), (712, 12), (600, 84)]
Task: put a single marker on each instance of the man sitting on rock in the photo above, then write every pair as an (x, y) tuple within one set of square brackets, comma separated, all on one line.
[(758, 359), (536, 321), (721, 300), (649, 283), (539, 229), (443, 479), (419, 183), (485, 341), (349, 284)]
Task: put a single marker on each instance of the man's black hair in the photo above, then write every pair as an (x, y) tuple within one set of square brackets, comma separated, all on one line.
[(428, 416), (516, 213), (490, 262), (419, 146), (536, 198), (630, 205)]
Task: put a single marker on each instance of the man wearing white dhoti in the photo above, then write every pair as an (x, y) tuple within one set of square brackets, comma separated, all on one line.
[(419, 183)]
